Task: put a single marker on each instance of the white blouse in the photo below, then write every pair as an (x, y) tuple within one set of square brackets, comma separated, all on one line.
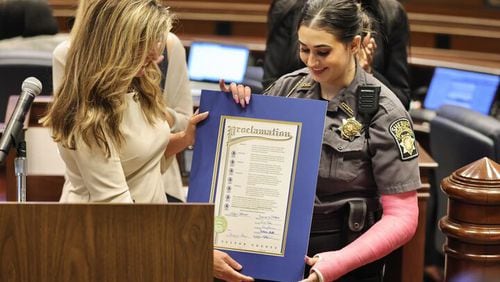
[(132, 174)]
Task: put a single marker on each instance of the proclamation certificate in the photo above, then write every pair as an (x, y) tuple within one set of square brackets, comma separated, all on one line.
[(254, 183), (259, 165)]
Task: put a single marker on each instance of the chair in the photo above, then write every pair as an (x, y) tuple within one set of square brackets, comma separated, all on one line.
[(253, 78), (16, 66), (458, 137)]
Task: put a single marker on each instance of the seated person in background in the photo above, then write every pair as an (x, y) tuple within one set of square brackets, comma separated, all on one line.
[(177, 95), (108, 115), (28, 25), (26, 18), (389, 38), (282, 48), (368, 166)]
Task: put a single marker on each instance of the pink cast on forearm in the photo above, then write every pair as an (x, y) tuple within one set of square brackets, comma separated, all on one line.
[(396, 227)]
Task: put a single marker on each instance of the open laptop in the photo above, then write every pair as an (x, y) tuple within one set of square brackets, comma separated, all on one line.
[(468, 89), (473, 90), (208, 62)]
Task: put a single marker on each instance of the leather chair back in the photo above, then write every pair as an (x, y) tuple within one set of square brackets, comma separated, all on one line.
[(458, 137)]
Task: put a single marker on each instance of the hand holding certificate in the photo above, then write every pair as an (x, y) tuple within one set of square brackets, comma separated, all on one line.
[(259, 166)]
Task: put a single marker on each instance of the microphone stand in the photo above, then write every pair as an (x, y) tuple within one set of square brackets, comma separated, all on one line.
[(20, 168)]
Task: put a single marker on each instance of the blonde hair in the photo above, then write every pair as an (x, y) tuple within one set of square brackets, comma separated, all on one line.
[(82, 7), (112, 43)]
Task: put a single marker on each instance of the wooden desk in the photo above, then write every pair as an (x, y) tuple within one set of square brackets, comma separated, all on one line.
[(466, 60), (407, 263)]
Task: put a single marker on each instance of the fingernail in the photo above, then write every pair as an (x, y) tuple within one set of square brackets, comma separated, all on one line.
[(247, 99)]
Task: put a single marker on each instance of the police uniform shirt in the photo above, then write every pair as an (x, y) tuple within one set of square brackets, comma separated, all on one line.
[(383, 163)]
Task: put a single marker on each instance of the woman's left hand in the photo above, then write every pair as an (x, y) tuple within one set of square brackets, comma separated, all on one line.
[(313, 276), (241, 93)]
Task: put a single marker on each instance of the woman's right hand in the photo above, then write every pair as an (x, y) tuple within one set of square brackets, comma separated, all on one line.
[(190, 131), (181, 140), (241, 93)]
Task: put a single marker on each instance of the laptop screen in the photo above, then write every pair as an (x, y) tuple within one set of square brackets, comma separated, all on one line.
[(209, 61), (468, 89)]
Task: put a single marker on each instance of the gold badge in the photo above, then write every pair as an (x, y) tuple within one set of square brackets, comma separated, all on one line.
[(404, 137), (350, 128), (305, 85)]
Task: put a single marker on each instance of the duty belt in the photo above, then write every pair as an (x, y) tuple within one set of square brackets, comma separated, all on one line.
[(356, 213)]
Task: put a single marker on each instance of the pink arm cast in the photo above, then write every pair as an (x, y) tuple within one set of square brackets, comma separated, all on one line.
[(396, 227)]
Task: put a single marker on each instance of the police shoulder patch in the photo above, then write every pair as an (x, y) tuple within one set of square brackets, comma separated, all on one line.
[(401, 130)]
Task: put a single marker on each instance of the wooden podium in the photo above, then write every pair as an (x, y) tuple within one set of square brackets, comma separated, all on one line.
[(104, 242)]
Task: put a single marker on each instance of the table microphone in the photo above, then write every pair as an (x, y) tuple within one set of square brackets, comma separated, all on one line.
[(31, 87)]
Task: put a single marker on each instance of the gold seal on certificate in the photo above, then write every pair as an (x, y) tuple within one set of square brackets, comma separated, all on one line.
[(254, 184), (220, 224)]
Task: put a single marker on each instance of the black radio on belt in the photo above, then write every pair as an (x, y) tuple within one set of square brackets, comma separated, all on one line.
[(368, 96)]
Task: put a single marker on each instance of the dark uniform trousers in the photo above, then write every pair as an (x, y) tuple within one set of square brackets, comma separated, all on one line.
[(336, 224)]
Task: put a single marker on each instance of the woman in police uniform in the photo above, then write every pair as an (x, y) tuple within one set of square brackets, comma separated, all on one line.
[(366, 204)]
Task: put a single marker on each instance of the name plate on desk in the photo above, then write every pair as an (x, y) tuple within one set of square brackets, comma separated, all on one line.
[(259, 165)]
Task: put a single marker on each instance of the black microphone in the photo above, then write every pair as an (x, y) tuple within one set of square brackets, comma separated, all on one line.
[(31, 87)]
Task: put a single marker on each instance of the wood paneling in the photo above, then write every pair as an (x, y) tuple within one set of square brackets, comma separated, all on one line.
[(56, 242), (466, 8)]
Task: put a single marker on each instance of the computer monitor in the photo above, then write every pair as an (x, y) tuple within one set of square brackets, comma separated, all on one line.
[(208, 61), (469, 89)]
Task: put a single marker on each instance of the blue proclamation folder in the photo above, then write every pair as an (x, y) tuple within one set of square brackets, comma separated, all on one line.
[(282, 261)]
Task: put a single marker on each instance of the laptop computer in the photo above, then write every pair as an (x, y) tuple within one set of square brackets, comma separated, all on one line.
[(208, 62), (469, 89)]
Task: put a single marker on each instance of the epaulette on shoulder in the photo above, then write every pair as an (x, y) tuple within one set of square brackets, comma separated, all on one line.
[(298, 74), (300, 84)]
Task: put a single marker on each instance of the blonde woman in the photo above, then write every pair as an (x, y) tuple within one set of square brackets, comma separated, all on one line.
[(109, 117), (176, 93)]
